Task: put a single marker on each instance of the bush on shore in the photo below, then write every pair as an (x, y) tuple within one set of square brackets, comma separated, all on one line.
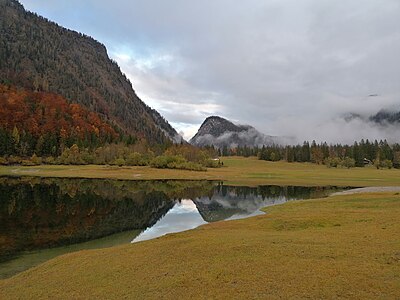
[(175, 162), (118, 155), (335, 162)]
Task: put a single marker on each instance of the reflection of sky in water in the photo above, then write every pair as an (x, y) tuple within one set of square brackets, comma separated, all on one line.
[(225, 204), (183, 216), (209, 205)]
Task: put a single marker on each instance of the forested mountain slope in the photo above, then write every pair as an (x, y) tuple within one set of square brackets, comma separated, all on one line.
[(45, 123), (37, 54)]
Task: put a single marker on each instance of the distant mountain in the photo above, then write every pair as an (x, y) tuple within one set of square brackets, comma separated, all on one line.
[(220, 133), (352, 116), (37, 54), (385, 117)]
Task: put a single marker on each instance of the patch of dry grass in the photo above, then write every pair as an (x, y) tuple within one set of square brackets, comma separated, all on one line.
[(236, 170), (339, 247)]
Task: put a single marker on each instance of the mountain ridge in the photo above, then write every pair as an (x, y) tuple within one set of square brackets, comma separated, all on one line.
[(220, 132), (39, 54), (383, 117)]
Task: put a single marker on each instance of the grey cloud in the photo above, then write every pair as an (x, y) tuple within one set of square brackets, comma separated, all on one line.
[(287, 67)]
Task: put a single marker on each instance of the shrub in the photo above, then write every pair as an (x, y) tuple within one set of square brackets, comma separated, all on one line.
[(396, 159), (71, 156), (49, 160), (137, 159), (165, 161), (212, 164), (175, 162), (36, 160), (119, 162), (386, 164), (27, 163), (348, 162), (377, 163), (87, 158), (14, 160), (3, 161), (332, 162), (193, 167)]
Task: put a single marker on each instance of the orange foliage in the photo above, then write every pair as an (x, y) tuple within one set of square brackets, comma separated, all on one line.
[(39, 113)]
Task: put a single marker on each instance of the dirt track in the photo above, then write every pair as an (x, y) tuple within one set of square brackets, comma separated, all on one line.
[(372, 189)]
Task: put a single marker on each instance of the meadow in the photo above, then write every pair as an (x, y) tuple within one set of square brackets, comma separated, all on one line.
[(337, 247), (236, 170), (344, 246)]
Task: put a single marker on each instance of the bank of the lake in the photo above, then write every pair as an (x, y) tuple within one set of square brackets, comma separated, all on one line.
[(236, 170), (42, 218), (338, 247)]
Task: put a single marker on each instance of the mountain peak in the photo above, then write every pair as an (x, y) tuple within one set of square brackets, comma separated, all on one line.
[(220, 132), (216, 126)]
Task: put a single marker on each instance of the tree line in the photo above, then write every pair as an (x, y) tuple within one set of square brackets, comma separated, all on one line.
[(41, 127), (45, 124), (365, 152)]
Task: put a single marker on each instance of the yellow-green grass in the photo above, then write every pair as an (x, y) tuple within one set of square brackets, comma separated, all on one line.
[(236, 170), (338, 247)]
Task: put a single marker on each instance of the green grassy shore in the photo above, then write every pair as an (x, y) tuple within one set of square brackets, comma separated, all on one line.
[(236, 170)]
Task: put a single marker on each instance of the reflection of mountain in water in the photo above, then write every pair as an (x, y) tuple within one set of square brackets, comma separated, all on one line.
[(235, 202), (41, 213)]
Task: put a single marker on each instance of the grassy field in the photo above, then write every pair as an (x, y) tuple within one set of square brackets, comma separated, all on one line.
[(338, 247), (236, 170)]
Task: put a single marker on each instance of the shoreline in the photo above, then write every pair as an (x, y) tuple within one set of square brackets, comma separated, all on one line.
[(237, 171), (353, 237), (367, 190)]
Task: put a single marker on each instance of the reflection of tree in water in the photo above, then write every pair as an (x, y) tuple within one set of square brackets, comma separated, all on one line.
[(39, 213), (295, 192)]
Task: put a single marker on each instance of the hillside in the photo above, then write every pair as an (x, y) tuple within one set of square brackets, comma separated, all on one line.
[(219, 132), (37, 54), (44, 123)]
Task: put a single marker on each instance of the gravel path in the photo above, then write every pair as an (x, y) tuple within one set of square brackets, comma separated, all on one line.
[(372, 189)]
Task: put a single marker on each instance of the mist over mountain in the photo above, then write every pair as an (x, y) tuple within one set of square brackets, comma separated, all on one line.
[(219, 132), (37, 54), (386, 117), (371, 123), (383, 118)]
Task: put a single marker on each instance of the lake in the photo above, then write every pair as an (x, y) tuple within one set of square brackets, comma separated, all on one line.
[(41, 218)]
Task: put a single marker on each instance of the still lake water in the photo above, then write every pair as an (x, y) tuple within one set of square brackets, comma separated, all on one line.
[(43, 218)]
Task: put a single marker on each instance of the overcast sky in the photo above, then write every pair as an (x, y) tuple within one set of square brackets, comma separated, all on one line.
[(287, 67)]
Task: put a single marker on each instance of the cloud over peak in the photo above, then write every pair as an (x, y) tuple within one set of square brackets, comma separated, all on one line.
[(286, 67)]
